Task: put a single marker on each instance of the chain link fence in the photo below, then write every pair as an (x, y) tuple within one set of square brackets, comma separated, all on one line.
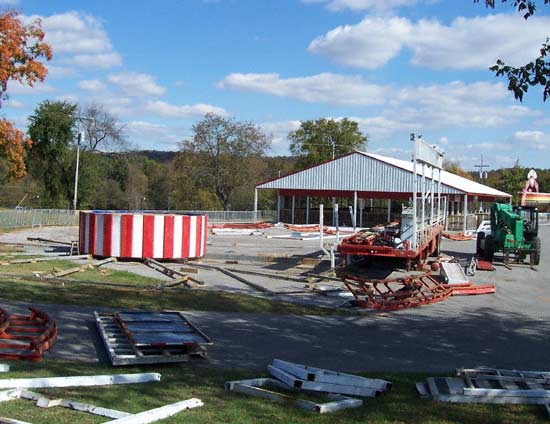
[(28, 218), (24, 218)]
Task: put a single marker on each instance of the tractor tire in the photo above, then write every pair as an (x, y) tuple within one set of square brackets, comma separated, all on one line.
[(489, 249), (479, 241), (535, 253)]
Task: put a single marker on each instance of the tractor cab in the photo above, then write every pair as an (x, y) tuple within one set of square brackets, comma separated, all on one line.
[(530, 217)]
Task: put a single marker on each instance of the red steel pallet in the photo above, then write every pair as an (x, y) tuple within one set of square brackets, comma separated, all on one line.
[(26, 336), (470, 289), (396, 293)]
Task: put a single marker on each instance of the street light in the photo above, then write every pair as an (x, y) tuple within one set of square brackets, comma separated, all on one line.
[(79, 138)]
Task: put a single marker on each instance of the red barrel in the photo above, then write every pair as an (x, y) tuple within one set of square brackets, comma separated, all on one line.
[(142, 235)]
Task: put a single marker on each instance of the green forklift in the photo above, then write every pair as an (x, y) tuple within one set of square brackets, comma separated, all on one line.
[(514, 232)]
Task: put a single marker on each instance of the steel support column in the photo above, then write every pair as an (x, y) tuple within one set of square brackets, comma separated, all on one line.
[(255, 205), (465, 225), (307, 210)]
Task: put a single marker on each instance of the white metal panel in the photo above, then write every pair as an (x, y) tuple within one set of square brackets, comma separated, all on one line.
[(137, 236), (115, 236), (361, 171), (158, 236)]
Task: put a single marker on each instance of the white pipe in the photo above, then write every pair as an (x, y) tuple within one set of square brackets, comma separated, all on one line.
[(354, 210), (293, 203), (307, 210), (255, 205)]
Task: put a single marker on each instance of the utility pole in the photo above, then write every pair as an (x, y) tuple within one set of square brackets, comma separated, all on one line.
[(78, 140), (482, 176), (481, 166)]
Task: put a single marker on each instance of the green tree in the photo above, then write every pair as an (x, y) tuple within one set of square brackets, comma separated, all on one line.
[(534, 73), (220, 149), (513, 180), (453, 166), (51, 127), (323, 139)]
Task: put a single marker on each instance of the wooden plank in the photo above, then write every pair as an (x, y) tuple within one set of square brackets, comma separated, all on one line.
[(189, 270), (87, 380), (157, 414), (236, 277)]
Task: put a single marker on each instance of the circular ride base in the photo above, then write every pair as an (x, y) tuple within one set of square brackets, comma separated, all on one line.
[(140, 235)]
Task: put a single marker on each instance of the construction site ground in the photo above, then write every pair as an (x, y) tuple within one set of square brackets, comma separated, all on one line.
[(509, 329)]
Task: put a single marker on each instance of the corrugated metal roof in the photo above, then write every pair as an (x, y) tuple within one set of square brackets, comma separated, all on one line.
[(368, 172)]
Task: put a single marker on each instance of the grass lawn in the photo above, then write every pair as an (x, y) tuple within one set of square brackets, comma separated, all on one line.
[(82, 293), (179, 382)]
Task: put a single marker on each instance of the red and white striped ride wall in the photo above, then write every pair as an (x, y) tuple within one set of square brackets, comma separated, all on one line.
[(142, 235)]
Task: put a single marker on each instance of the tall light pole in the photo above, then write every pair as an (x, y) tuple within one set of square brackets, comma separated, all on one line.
[(78, 140), (482, 176)]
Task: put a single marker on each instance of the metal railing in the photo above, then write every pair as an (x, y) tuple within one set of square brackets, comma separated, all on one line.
[(22, 218), (216, 217)]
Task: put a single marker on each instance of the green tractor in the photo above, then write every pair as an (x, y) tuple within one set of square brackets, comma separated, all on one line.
[(514, 231)]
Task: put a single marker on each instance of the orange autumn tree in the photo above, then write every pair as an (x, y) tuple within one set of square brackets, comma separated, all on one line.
[(21, 48)]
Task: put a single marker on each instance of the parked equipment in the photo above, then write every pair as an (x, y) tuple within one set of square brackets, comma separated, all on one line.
[(514, 231)]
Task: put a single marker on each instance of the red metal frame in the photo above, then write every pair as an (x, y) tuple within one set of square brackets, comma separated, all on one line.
[(396, 293), (26, 336), (423, 251)]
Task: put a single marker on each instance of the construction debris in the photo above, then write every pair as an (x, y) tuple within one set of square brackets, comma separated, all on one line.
[(236, 232), (43, 240), (320, 380), (83, 380), (296, 378), (150, 337), (236, 277), (118, 417), (453, 273), (257, 387), (489, 385), (484, 265), (459, 236), (396, 293), (242, 225), (172, 273), (26, 336), (45, 259)]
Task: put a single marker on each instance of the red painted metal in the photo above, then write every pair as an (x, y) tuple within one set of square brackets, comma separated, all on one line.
[(484, 266), (396, 293), (26, 336), (470, 290)]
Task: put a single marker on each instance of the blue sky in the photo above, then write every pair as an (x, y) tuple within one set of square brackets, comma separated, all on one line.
[(395, 66)]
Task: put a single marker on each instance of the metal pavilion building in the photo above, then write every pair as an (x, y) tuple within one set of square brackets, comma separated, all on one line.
[(372, 176)]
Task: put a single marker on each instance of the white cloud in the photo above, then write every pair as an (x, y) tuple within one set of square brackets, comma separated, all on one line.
[(19, 89), (467, 43), (154, 134), (60, 72), (79, 39), (96, 61), (371, 6), (11, 103), (9, 2), (320, 88), (279, 131), (167, 110), (532, 139), (136, 85), (91, 85)]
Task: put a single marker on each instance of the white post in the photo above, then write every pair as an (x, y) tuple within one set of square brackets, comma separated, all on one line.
[(389, 211), (78, 138), (255, 205), (432, 196), (307, 210), (293, 202), (321, 224), (465, 225), (414, 189), (337, 223), (278, 207), (439, 195), (361, 208), (423, 195), (354, 210)]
